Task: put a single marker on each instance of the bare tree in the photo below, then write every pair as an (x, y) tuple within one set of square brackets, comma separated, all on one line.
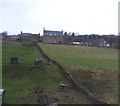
[(65, 33), (5, 33)]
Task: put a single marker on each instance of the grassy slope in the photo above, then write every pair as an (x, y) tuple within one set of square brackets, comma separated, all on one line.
[(88, 65), (19, 82), (83, 57)]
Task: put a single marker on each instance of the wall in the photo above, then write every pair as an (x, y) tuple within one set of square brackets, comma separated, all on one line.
[(30, 38), (57, 39), (75, 84), (53, 39)]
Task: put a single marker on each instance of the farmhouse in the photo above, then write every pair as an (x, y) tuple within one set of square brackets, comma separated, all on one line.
[(55, 37), (11, 38), (52, 36), (29, 37)]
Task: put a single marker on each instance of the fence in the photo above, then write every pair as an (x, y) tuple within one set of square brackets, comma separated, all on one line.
[(77, 86)]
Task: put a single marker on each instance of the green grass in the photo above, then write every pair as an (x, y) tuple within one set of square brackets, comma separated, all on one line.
[(83, 57), (18, 81), (24, 53), (94, 68)]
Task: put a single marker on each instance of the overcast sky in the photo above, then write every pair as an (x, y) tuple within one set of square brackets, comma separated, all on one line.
[(81, 16)]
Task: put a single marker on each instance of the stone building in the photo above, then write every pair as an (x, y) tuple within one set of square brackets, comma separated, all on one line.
[(50, 36), (29, 37)]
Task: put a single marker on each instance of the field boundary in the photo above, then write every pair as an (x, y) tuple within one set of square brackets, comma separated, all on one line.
[(94, 99)]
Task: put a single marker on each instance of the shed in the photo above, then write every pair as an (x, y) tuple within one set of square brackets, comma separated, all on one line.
[(38, 61), (2, 96), (13, 60)]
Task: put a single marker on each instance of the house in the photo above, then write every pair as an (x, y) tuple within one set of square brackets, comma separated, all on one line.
[(53, 39), (11, 38), (29, 37), (50, 36)]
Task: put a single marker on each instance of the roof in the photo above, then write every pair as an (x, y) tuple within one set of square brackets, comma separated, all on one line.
[(26, 34), (50, 32)]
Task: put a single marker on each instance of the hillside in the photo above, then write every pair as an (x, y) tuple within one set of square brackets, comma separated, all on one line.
[(83, 57), (23, 81), (94, 68)]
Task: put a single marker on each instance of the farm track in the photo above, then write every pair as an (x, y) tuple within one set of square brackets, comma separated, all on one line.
[(92, 99)]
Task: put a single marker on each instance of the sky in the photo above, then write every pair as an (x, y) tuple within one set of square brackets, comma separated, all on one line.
[(119, 17), (79, 16)]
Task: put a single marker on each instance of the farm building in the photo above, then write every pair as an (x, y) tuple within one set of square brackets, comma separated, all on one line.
[(29, 37), (11, 38), (55, 37)]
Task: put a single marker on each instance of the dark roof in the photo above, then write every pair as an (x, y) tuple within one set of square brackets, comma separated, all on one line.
[(25, 34), (50, 32), (28, 34)]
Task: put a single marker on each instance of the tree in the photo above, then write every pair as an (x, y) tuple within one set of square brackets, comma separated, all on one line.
[(73, 34), (5, 33), (65, 33)]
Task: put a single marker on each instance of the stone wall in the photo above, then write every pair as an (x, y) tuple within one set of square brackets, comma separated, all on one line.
[(57, 39), (94, 99)]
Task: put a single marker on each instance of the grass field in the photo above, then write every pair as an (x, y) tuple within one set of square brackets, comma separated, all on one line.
[(83, 57), (94, 68), (20, 83)]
